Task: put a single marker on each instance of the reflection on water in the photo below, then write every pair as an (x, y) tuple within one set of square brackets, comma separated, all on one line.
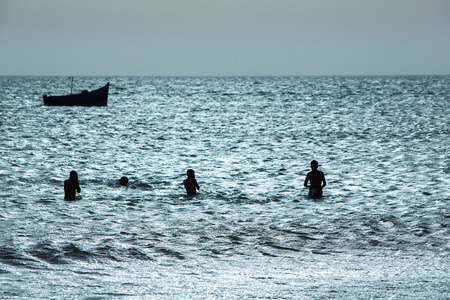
[(382, 143)]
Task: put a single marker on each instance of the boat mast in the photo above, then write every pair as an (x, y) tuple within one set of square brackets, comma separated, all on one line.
[(71, 85)]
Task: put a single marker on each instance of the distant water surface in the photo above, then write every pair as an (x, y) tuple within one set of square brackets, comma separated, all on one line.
[(381, 230)]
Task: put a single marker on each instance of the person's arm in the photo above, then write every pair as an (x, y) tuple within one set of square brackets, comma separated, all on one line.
[(324, 182), (78, 188), (306, 181)]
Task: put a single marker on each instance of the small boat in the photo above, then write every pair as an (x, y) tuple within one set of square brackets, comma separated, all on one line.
[(97, 97)]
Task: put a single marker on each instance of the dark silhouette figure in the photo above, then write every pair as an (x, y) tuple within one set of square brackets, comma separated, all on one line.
[(190, 183), (316, 181), (71, 186), (123, 181)]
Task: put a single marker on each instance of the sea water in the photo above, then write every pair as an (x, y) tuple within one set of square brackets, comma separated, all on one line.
[(381, 230)]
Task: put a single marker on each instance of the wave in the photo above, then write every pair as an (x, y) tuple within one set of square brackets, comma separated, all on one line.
[(43, 254)]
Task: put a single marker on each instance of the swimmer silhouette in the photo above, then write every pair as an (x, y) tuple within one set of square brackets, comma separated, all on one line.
[(123, 181), (316, 180), (190, 183), (71, 186)]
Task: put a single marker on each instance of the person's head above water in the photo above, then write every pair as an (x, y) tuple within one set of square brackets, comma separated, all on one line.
[(73, 175), (314, 165), (123, 181), (190, 173)]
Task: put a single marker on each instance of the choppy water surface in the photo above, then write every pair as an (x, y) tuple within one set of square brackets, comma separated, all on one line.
[(382, 229)]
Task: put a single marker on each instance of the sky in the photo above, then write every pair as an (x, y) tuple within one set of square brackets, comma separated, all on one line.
[(224, 37)]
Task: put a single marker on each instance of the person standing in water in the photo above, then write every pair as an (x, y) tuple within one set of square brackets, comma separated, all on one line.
[(316, 181), (190, 184), (71, 186)]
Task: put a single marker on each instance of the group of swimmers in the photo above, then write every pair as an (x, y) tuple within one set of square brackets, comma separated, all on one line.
[(315, 181)]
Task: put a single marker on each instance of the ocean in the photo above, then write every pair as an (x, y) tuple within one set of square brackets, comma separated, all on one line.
[(381, 230)]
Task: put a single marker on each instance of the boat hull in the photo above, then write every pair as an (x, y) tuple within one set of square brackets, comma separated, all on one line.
[(97, 97)]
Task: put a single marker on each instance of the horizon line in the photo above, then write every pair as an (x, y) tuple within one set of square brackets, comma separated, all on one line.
[(310, 75)]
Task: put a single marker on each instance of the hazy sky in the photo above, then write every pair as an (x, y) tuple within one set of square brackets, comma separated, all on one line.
[(224, 37)]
